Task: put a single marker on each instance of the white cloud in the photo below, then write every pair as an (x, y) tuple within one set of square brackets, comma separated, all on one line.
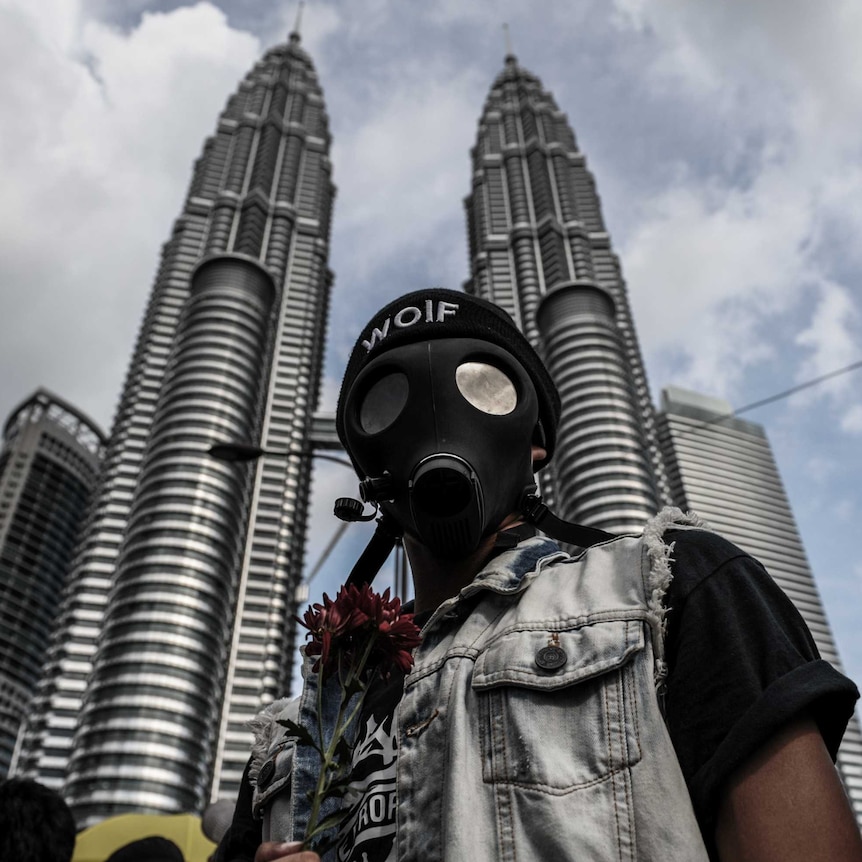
[(831, 342), (831, 337), (402, 172), (104, 128), (844, 510), (851, 422), (821, 469), (809, 52), (707, 262), (743, 236)]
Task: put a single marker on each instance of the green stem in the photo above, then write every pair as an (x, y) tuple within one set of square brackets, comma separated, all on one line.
[(320, 790), (328, 761)]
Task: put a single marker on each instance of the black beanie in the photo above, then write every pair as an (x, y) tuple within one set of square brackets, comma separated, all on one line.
[(438, 313)]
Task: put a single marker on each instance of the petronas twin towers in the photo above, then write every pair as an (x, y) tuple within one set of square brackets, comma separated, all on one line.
[(175, 625)]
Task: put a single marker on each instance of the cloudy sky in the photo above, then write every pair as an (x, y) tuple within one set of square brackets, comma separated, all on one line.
[(724, 138)]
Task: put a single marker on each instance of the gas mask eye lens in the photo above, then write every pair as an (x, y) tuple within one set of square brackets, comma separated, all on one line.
[(486, 387), (383, 402)]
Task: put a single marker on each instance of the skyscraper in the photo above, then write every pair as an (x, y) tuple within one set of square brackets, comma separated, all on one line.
[(539, 248), (201, 557), (722, 467), (48, 467)]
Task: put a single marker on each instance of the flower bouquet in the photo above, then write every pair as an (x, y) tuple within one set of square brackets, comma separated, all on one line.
[(358, 637)]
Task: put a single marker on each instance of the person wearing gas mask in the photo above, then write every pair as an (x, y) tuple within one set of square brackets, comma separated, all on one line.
[(651, 697)]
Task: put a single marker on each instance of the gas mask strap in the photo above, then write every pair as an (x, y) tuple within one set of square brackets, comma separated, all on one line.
[(376, 552), (536, 512)]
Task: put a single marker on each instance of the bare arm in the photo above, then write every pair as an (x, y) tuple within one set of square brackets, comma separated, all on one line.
[(786, 804)]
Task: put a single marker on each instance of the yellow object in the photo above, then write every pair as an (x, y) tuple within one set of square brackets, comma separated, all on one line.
[(98, 842)]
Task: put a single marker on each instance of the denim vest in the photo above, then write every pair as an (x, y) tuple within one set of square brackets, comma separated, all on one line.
[(530, 726)]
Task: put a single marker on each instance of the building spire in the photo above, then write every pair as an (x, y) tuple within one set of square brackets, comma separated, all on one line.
[(294, 35), (507, 39)]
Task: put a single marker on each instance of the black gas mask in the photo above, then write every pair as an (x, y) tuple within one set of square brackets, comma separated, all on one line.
[(441, 400), (441, 430)]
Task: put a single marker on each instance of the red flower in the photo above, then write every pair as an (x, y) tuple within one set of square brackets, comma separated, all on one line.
[(360, 624), (355, 637)]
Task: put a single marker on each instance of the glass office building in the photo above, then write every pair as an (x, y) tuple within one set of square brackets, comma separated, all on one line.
[(722, 468)]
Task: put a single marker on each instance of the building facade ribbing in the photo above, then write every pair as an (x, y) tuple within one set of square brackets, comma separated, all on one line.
[(148, 724), (254, 231), (537, 240), (48, 466), (722, 468)]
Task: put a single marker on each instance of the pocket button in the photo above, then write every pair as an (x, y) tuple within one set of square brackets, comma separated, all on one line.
[(551, 658)]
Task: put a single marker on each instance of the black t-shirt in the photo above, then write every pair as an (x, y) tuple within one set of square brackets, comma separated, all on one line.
[(741, 664)]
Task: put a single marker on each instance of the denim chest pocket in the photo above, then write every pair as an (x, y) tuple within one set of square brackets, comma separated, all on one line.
[(274, 776), (558, 710)]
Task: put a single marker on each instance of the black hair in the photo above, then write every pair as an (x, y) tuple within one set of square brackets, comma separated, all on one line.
[(152, 849), (35, 823)]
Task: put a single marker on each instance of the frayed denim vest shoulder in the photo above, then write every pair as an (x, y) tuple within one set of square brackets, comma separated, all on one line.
[(531, 724)]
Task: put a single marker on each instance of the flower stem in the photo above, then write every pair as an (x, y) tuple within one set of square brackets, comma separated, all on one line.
[(320, 790), (328, 760)]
